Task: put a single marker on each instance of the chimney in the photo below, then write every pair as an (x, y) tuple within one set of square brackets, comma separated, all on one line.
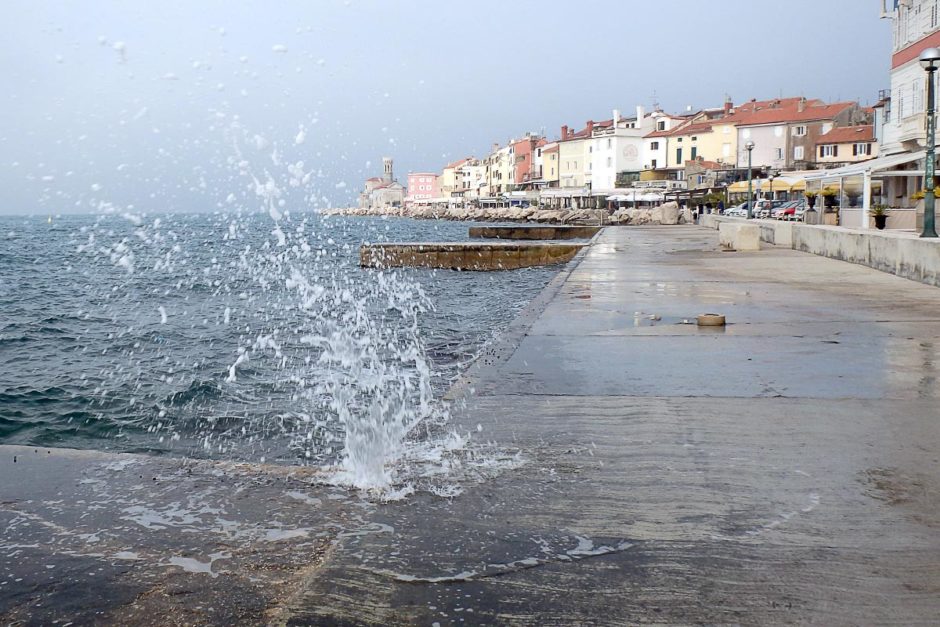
[(564, 132), (640, 115), (801, 105), (616, 117), (729, 105), (495, 147), (590, 127)]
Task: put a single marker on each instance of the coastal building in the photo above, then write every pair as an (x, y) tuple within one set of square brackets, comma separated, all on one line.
[(550, 170), (617, 149), (499, 170), (842, 146), (785, 131), (382, 192), (525, 172), (656, 146), (895, 177), (451, 181), (423, 187), (574, 157), (472, 176)]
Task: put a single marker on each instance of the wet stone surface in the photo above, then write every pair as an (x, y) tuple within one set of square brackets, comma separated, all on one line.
[(778, 472)]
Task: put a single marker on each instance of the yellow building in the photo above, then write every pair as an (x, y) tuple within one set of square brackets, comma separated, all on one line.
[(711, 140), (451, 179), (849, 144), (551, 169), (574, 158)]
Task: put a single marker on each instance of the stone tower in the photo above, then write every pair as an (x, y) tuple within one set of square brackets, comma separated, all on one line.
[(387, 173)]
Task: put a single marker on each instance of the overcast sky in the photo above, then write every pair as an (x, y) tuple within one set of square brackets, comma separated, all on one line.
[(153, 104)]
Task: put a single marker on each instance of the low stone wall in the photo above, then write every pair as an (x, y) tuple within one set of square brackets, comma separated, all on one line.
[(466, 256), (903, 254), (534, 232)]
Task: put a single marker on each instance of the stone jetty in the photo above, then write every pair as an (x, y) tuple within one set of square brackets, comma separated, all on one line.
[(480, 256)]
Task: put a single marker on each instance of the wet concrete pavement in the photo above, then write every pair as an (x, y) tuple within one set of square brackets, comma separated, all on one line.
[(782, 470)]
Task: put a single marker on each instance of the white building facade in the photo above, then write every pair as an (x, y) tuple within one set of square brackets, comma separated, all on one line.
[(915, 27)]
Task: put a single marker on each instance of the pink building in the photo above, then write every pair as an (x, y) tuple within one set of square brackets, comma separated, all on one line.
[(422, 187), (527, 171)]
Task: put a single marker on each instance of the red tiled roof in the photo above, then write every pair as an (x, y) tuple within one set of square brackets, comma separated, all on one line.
[(553, 148), (457, 164), (707, 165), (848, 135), (812, 110)]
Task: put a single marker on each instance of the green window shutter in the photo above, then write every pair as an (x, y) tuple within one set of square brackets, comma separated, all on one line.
[(694, 152)]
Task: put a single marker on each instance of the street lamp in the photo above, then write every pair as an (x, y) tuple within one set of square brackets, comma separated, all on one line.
[(750, 148), (771, 175), (929, 60)]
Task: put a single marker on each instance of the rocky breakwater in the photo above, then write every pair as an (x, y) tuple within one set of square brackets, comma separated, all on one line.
[(669, 213)]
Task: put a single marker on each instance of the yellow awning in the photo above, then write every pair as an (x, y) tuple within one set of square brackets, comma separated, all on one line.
[(780, 184)]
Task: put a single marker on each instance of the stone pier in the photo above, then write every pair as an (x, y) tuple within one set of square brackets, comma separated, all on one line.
[(482, 256)]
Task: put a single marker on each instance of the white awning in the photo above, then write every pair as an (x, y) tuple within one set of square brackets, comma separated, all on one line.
[(879, 165)]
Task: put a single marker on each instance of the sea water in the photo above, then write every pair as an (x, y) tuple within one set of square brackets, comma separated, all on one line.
[(235, 335)]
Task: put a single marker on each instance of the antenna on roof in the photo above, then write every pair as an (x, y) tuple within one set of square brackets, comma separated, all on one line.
[(655, 101)]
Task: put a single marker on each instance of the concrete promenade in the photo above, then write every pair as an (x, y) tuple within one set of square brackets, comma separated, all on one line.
[(782, 470)]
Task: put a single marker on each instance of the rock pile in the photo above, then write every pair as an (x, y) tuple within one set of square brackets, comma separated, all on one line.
[(668, 213)]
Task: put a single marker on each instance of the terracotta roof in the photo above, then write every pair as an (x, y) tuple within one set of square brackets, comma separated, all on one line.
[(457, 164), (812, 110), (374, 178), (707, 165), (551, 148), (848, 135)]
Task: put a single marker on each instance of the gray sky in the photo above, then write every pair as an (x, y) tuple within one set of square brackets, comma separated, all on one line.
[(134, 103)]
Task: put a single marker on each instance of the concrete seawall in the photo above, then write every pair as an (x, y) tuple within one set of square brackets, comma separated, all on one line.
[(483, 256), (534, 232), (902, 254)]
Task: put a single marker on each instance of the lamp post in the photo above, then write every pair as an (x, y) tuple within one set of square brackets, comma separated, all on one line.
[(750, 203), (929, 60)]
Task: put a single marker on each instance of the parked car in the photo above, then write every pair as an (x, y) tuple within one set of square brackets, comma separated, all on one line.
[(738, 211), (780, 212), (795, 211)]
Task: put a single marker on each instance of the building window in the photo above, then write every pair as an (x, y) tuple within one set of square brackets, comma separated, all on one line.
[(678, 156), (609, 142), (679, 140), (553, 171), (726, 150), (726, 130), (829, 150), (778, 131), (661, 125), (799, 131), (654, 145), (694, 152), (695, 139), (859, 150), (798, 153), (654, 164)]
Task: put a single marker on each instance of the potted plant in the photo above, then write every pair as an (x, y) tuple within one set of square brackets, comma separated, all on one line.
[(880, 214), (829, 197), (810, 198)]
